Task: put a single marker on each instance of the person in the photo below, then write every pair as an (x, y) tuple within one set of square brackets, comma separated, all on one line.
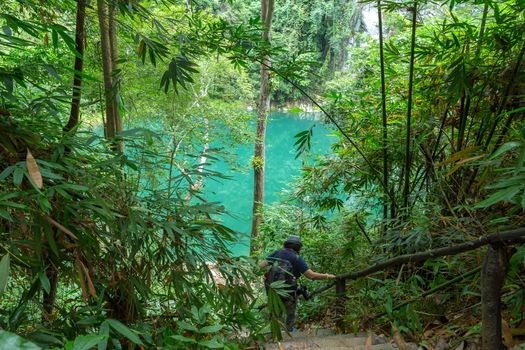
[(290, 252)]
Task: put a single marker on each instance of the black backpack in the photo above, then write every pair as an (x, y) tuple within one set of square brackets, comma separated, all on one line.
[(282, 270)]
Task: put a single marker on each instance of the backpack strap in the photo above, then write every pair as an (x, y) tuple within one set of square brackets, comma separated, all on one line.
[(294, 262)]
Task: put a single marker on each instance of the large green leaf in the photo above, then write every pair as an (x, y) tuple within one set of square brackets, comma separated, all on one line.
[(187, 327), (45, 282), (4, 272), (86, 342), (211, 344), (11, 341), (504, 148), (504, 195), (183, 338), (123, 330), (211, 329)]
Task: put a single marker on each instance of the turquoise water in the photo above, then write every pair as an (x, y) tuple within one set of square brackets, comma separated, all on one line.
[(236, 193)]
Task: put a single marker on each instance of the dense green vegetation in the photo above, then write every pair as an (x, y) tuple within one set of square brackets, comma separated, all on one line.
[(107, 138)]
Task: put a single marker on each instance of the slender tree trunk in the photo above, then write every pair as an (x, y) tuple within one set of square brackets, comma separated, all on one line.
[(106, 69), (262, 116), (408, 156), (383, 111), (79, 63), (200, 168), (112, 33)]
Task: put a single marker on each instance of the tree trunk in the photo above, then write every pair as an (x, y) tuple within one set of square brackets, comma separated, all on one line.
[(200, 168), (262, 116), (492, 279), (408, 155), (112, 33), (106, 69), (79, 63), (383, 112)]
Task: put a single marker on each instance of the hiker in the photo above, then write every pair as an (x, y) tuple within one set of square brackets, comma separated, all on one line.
[(287, 265)]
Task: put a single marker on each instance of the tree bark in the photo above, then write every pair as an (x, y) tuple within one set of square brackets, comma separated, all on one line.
[(106, 69), (79, 63), (262, 116), (492, 279), (112, 33)]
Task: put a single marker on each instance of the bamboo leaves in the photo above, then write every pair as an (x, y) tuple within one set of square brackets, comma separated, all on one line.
[(303, 142), (179, 72), (4, 272)]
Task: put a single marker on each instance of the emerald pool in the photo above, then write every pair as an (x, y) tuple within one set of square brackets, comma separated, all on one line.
[(281, 168)]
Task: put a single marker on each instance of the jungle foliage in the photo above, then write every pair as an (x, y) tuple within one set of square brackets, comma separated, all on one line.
[(105, 239), (434, 158)]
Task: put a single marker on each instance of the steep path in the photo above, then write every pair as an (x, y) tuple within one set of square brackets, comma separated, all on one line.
[(327, 340)]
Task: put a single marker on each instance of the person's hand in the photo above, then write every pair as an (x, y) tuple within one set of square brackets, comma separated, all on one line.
[(329, 276)]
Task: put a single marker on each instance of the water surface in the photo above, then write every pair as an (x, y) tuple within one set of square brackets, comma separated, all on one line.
[(236, 194)]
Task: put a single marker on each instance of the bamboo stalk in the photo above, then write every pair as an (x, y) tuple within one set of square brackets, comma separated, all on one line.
[(408, 158), (384, 116)]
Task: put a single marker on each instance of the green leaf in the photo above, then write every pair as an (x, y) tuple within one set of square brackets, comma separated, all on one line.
[(183, 339), (499, 196), (211, 344), (186, 326), (125, 331), (11, 341), (6, 172), (4, 272), (45, 282), (103, 331), (51, 241), (18, 176), (86, 342), (52, 71), (504, 148), (211, 329)]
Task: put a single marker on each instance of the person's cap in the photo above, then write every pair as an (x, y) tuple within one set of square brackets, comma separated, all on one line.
[(294, 240)]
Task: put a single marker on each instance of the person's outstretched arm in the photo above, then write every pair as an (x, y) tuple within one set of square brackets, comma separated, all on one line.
[(317, 276)]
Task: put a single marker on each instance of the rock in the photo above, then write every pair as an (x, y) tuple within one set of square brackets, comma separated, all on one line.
[(441, 344)]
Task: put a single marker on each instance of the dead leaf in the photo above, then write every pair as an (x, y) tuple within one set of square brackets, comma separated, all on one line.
[(399, 340), (82, 283), (91, 287), (33, 170), (281, 346), (508, 340), (368, 343)]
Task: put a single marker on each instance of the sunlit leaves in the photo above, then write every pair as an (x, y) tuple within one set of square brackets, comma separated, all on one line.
[(303, 142), (12, 341), (179, 72)]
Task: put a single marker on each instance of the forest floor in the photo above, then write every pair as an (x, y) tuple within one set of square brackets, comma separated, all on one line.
[(325, 339)]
